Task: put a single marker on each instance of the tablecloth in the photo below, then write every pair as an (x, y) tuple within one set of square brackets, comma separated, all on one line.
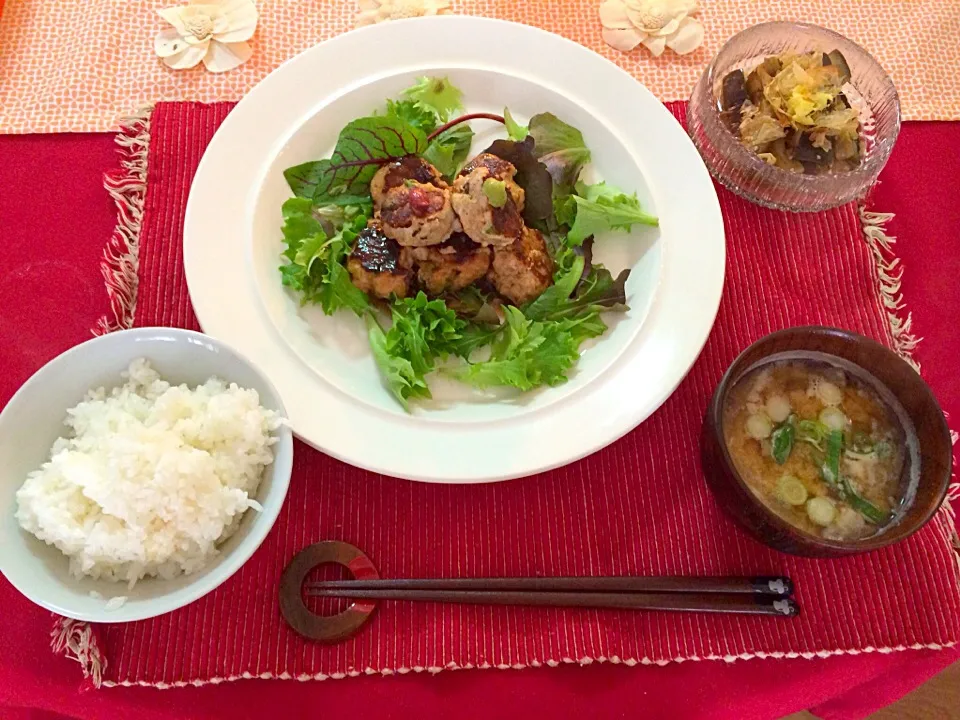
[(53, 200)]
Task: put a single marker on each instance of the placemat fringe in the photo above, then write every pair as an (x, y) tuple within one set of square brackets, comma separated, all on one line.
[(582, 662), (127, 186), (76, 640), (889, 279), (119, 266)]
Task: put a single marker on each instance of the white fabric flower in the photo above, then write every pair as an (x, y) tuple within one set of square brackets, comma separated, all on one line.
[(212, 31), (657, 24), (377, 11)]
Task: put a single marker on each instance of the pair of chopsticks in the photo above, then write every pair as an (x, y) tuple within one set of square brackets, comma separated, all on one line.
[(752, 596)]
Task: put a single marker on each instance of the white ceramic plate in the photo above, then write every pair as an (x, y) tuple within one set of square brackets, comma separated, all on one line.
[(322, 365)]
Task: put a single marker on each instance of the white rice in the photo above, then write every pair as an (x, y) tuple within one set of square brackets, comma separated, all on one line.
[(152, 478)]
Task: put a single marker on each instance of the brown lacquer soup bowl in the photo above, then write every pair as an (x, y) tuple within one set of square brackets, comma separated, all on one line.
[(808, 509)]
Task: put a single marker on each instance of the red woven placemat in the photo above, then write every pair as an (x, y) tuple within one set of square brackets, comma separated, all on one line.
[(638, 507)]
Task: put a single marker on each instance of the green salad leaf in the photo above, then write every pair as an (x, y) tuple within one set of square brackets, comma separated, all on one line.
[(299, 224), (315, 260), (474, 305), (423, 331), (600, 289), (414, 114), (558, 294), (562, 150), (515, 131), (598, 292), (603, 207), (473, 337), (333, 216), (362, 147), (398, 372), (564, 255), (448, 151), (527, 353), (436, 94)]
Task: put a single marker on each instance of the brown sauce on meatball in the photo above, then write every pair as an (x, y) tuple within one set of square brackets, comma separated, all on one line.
[(376, 252)]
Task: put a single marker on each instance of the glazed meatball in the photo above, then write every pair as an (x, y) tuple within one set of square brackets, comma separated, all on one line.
[(376, 265), (485, 224), (416, 214), (523, 270), (451, 266), (397, 173)]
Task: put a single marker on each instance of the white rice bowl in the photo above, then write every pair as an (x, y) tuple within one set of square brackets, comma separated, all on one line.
[(152, 478)]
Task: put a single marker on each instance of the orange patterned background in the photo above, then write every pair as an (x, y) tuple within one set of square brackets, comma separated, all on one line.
[(80, 65)]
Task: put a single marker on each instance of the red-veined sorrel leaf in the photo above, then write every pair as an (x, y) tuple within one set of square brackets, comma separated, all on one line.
[(363, 146)]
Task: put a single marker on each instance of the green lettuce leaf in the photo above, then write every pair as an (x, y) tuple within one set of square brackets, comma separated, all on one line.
[(413, 114), (333, 216), (398, 372), (314, 266), (436, 94), (362, 147), (600, 290), (474, 305), (448, 151), (558, 294), (337, 290), (473, 337), (515, 131), (603, 207), (423, 331), (526, 354), (299, 224), (575, 298), (561, 148)]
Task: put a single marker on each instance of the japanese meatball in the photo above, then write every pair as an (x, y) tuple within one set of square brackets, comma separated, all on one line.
[(376, 266), (523, 270), (484, 223), (415, 214), (451, 266), (409, 168)]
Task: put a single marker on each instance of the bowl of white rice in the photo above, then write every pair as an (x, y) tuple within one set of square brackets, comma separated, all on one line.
[(138, 471)]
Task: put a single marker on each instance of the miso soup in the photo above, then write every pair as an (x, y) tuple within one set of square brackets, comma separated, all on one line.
[(822, 444)]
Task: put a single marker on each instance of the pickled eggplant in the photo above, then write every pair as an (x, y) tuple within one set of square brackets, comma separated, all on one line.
[(791, 110)]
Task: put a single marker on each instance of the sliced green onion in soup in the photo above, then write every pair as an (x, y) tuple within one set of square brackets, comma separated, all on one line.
[(833, 418), (791, 491), (821, 511), (829, 393), (759, 426), (778, 408)]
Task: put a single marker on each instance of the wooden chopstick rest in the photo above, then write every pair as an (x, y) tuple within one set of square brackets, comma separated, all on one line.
[(325, 628)]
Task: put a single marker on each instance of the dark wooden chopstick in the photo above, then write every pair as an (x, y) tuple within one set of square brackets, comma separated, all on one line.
[(683, 602), (769, 586)]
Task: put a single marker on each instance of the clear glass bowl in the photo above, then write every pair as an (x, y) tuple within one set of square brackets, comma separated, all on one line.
[(743, 172)]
